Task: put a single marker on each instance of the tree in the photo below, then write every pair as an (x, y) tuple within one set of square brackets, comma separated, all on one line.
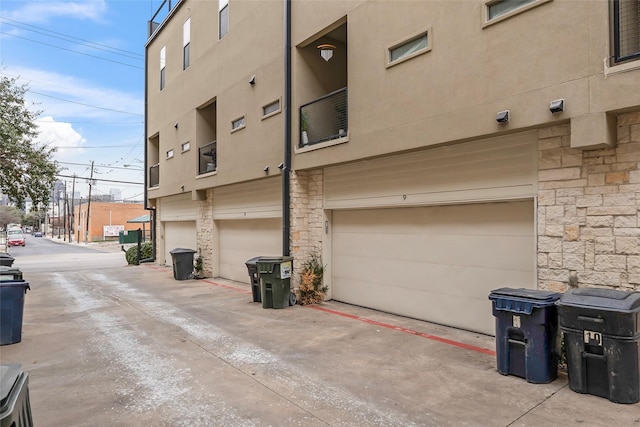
[(27, 170), (9, 215)]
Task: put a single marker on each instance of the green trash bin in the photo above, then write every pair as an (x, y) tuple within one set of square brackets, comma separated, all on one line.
[(10, 273), (275, 279)]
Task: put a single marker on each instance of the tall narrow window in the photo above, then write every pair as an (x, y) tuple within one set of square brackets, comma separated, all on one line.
[(163, 66), (186, 43), (626, 30), (223, 18)]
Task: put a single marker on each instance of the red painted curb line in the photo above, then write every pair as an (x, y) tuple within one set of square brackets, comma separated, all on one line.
[(370, 322)]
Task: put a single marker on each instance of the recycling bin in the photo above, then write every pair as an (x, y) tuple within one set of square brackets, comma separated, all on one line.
[(275, 280), (10, 273), (12, 294), (252, 268), (601, 329), (182, 263), (526, 333), (6, 259), (15, 407)]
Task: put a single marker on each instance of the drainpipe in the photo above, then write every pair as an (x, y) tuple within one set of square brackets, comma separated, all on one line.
[(286, 217), (152, 211)]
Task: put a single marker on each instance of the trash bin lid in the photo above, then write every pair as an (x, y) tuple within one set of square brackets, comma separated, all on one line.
[(253, 261), (8, 376), (20, 283), (9, 270), (609, 299), (182, 251), (532, 294)]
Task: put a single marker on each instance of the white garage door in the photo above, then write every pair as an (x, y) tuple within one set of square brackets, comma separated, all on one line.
[(179, 234), (241, 240), (434, 263)]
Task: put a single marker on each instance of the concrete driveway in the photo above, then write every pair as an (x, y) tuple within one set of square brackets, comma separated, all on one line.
[(110, 344)]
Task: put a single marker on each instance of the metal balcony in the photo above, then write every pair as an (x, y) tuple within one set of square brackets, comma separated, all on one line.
[(154, 175), (207, 158), (324, 119)]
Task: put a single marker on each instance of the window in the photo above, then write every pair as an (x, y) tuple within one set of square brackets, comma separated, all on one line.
[(163, 66), (223, 18), (497, 10), (237, 124), (170, 154), (271, 109), (186, 43), (626, 30), (407, 49), (186, 146)]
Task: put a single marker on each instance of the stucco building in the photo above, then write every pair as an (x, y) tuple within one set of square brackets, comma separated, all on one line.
[(430, 151)]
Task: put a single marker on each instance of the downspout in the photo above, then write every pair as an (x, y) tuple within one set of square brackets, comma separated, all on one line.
[(152, 211), (286, 197)]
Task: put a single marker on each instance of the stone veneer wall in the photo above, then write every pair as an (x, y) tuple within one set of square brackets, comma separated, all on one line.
[(307, 217), (204, 231), (588, 202)]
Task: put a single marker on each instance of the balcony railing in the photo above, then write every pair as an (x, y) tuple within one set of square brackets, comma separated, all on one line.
[(154, 175), (161, 14), (207, 158), (324, 119)]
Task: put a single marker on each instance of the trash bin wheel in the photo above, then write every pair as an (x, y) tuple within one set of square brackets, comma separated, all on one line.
[(292, 298)]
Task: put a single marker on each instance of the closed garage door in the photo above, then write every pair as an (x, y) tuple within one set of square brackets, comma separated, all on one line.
[(179, 234), (435, 263), (241, 240)]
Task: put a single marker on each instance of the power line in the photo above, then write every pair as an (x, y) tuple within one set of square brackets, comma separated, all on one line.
[(100, 166), (86, 105), (102, 180), (68, 38), (71, 50)]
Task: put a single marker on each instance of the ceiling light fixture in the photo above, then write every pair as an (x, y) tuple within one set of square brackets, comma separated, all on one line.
[(326, 50)]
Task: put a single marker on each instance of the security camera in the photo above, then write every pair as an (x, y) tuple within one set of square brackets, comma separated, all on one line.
[(556, 106), (252, 80), (502, 116)]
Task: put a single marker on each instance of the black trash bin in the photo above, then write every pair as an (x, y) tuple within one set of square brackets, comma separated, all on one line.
[(6, 259), (12, 294), (15, 407), (526, 333), (601, 329), (10, 273), (182, 263), (252, 268), (275, 278)]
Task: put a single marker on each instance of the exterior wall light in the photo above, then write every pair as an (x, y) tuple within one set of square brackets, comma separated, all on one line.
[(556, 106), (326, 50), (502, 116)]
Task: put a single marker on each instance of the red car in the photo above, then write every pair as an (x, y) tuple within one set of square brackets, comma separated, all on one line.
[(16, 238)]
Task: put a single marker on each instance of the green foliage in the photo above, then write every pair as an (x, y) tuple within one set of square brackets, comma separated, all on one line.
[(9, 215), (146, 251), (27, 170), (198, 267), (311, 288)]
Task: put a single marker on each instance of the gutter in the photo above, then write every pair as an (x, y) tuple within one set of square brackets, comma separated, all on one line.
[(286, 197), (152, 211)]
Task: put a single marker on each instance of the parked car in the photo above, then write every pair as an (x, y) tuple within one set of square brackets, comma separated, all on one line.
[(37, 234), (16, 238)]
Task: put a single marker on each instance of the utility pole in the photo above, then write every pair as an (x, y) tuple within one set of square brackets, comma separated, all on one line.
[(58, 194), (72, 231), (64, 208), (86, 231)]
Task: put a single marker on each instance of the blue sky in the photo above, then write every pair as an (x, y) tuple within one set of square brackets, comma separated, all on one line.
[(83, 61)]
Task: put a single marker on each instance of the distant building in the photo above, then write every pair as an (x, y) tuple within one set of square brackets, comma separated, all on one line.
[(116, 194), (103, 214)]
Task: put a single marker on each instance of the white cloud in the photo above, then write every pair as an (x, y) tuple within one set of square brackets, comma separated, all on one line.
[(60, 135), (39, 11)]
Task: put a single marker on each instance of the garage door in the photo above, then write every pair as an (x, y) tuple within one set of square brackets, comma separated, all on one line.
[(435, 263), (179, 234), (241, 240)]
